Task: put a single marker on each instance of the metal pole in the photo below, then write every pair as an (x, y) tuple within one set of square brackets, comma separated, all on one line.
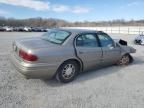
[(139, 31), (119, 29)]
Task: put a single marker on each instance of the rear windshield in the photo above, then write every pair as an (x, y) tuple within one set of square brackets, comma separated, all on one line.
[(56, 36)]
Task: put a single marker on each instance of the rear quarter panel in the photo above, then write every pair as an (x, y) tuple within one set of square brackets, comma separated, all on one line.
[(54, 56)]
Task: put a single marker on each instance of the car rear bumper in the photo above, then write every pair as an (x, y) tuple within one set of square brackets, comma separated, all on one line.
[(35, 70)]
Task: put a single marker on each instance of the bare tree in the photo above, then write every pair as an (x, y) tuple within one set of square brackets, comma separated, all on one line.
[(52, 22)]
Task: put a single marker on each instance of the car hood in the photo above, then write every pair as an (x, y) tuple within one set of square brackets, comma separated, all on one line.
[(124, 46), (34, 43), (128, 49), (140, 37)]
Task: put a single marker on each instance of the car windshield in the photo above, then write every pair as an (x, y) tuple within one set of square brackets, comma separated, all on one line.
[(56, 36)]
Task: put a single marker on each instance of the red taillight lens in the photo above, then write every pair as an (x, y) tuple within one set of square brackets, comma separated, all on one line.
[(27, 56)]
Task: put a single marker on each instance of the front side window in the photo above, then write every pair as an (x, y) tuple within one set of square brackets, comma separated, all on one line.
[(105, 40), (87, 40), (56, 36)]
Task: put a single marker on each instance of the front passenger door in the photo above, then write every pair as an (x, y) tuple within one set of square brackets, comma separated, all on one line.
[(111, 52)]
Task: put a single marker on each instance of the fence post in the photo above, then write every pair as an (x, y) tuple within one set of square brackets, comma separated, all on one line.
[(119, 29), (139, 31)]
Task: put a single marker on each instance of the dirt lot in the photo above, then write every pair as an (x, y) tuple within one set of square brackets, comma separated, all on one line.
[(112, 87)]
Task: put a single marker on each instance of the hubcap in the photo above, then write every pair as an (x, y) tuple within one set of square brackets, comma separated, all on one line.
[(124, 60), (68, 71)]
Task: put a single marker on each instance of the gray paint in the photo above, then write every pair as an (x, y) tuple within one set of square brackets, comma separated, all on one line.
[(51, 56)]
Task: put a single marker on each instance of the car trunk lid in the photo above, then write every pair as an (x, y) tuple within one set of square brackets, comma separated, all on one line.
[(34, 43), (30, 45)]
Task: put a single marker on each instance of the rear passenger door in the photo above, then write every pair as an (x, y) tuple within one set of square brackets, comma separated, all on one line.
[(88, 50), (111, 52)]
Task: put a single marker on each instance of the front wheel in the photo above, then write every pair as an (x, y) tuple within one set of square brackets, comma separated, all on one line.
[(141, 43), (67, 72), (125, 60)]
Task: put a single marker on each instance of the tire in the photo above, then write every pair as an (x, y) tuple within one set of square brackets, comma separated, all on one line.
[(67, 72), (140, 42), (135, 42), (125, 60)]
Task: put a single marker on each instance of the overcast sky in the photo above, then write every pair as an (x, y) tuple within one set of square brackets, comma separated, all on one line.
[(73, 10)]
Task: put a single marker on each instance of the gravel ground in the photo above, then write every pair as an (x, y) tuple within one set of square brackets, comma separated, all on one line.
[(112, 87)]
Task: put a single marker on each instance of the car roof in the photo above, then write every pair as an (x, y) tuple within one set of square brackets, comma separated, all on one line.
[(77, 31)]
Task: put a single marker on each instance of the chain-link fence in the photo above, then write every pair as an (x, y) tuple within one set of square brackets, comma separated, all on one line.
[(118, 29)]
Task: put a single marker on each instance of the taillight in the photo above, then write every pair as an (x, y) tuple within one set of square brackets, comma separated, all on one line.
[(27, 56)]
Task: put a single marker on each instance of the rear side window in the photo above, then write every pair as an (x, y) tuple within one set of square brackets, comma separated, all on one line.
[(56, 36), (87, 40), (105, 40)]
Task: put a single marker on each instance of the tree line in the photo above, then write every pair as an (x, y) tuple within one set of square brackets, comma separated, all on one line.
[(52, 22)]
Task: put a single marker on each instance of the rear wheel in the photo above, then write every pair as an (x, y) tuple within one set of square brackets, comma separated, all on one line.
[(125, 60), (67, 72)]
